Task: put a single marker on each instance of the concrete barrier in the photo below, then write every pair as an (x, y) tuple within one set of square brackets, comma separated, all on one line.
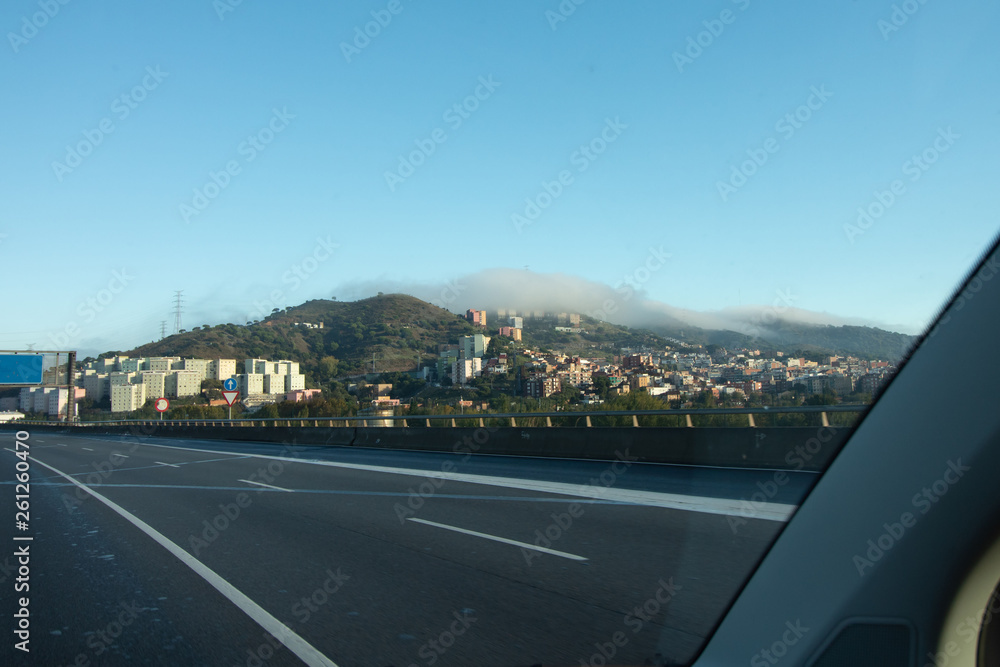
[(805, 448)]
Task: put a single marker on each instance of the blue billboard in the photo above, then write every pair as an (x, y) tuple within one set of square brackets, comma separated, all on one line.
[(20, 369)]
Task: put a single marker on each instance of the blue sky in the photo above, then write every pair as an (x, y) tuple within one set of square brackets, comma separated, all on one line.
[(94, 246)]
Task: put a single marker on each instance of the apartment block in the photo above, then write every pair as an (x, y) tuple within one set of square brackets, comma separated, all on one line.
[(464, 370), (127, 397), (473, 346), (295, 382), (156, 383), (476, 317), (221, 369), (274, 384), (251, 383), (182, 383), (97, 386)]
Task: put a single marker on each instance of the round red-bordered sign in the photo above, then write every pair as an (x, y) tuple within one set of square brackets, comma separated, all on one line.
[(161, 404)]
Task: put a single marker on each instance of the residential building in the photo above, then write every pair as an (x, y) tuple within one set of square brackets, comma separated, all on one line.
[(542, 386), (511, 332), (156, 383), (476, 317), (465, 369), (127, 397), (251, 383), (473, 346), (182, 383), (221, 369)]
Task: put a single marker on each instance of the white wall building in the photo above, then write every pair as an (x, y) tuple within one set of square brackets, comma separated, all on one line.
[(127, 397)]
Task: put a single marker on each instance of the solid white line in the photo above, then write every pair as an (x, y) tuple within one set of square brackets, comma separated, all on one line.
[(121, 456), (276, 488), (87, 449), (166, 464), (523, 545), (706, 504), (296, 644)]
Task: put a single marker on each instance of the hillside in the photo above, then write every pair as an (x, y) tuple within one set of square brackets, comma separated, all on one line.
[(395, 328), (398, 330)]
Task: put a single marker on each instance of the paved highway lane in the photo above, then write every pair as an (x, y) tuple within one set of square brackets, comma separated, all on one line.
[(375, 559)]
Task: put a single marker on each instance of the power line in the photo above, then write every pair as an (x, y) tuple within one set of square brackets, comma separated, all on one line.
[(177, 310)]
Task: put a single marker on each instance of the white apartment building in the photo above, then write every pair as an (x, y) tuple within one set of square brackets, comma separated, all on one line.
[(464, 370), (156, 383), (294, 382), (274, 384), (40, 399), (127, 397), (255, 366), (182, 383), (120, 377), (97, 386), (251, 383), (221, 369)]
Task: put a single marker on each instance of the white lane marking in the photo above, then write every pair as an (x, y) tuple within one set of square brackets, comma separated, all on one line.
[(166, 464), (523, 545), (276, 488), (296, 644), (87, 449), (705, 504), (121, 456), (62, 445)]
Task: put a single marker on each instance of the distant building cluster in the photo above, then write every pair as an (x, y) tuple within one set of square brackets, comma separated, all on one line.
[(50, 401), (130, 382)]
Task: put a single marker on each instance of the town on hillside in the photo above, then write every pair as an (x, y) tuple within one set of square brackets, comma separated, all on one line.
[(489, 371)]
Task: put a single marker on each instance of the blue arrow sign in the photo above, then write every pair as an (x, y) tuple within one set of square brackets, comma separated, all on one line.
[(230, 384)]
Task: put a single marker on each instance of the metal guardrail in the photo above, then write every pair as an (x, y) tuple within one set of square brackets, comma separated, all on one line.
[(505, 419)]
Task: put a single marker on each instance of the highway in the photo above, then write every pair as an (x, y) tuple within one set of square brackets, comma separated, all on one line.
[(155, 551)]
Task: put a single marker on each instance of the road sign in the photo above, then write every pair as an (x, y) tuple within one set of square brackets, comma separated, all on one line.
[(230, 397), (229, 385), (161, 404), (20, 368)]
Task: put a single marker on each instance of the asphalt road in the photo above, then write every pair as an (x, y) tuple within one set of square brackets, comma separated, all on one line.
[(211, 553)]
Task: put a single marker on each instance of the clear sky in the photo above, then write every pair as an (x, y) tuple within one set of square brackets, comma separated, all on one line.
[(251, 153)]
